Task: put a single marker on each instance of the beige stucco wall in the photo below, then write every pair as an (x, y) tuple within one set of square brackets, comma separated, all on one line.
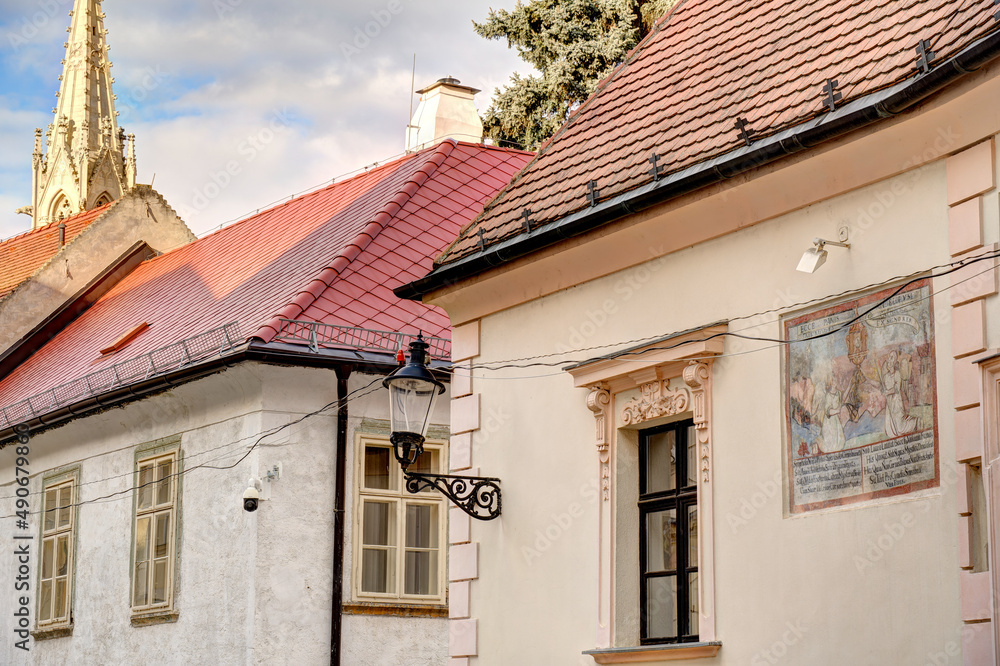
[(254, 588), (872, 583)]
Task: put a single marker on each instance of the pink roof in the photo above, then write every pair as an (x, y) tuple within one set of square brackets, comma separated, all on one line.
[(707, 63), (331, 256)]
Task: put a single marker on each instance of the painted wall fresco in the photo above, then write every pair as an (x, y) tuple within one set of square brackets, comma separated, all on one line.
[(861, 399)]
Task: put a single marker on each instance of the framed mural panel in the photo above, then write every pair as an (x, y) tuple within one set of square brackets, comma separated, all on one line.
[(861, 399)]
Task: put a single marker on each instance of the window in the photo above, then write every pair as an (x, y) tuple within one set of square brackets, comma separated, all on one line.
[(668, 536), (153, 549), (55, 579), (399, 536)]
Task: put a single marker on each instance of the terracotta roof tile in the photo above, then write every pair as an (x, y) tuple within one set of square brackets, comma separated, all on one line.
[(706, 64), (24, 254), (333, 256)]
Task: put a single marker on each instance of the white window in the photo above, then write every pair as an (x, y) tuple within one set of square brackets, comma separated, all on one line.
[(153, 550), (399, 536), (55, 581)]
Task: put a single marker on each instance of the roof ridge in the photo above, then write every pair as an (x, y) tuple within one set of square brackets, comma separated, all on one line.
[(45, 227), (312, 291)]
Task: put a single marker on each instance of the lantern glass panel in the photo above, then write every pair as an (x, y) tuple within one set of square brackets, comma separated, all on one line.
[(411, 403)]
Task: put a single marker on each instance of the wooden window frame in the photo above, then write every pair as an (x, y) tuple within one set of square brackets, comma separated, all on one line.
[(400, 499), (154, 455), (61, 626), (681, 499)]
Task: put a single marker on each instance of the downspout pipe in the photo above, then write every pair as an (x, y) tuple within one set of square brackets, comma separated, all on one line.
[(343, 374)]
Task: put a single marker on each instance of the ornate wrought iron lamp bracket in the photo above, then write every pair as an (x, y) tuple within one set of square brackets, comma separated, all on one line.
[(477, 496)]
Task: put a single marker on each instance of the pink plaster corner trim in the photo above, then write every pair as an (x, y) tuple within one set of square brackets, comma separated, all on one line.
[(968, 434), (461, 452), (965, 226), (963, 490), (459, 526), (458, 661), (975, 596), (465, 341), (968, 329), (975, 280), (977, 644), (465, 414), (967, 384), (458, 600), (971, 172), (463, 638), (463, 562), (965, 542), (461, 379)]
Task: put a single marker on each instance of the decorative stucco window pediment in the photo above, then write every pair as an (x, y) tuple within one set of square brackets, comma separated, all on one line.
[(635, 389)]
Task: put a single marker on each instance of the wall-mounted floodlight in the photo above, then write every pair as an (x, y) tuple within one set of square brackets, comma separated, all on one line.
[(815, 256)]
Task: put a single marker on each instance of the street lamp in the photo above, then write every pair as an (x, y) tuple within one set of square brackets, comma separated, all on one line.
[(412, 393)]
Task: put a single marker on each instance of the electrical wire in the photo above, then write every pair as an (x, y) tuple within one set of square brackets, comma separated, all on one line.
[(356, 394)]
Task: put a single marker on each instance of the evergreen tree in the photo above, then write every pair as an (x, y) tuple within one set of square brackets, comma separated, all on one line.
[(573, 44)]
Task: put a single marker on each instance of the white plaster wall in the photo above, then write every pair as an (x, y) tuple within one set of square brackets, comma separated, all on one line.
[(383, 639), (253, 588), (536, 596)]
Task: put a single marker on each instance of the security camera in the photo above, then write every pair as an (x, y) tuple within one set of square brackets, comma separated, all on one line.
[(251, 497)]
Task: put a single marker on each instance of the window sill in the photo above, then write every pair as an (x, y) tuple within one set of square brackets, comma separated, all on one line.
[(49, 633), (396, 610), (146, 619), (653, 653)]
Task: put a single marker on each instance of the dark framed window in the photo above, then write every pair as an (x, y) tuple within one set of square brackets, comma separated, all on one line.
[(668, 534)]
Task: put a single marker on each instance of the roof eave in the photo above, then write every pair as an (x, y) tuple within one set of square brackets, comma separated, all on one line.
[(853, 116)]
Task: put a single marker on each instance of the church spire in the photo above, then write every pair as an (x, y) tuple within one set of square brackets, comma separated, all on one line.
[(84, 164)]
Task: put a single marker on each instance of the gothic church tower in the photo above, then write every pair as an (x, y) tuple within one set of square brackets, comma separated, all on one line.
[(88, 159)]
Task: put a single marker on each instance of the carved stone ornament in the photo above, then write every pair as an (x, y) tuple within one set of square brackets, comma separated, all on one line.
[(699, 377), (599, 402), (656, 400)]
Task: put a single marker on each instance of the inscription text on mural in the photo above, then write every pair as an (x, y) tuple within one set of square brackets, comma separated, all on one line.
[(860, 400)]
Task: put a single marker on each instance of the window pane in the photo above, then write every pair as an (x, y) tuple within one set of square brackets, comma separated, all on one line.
[(45, 601), (692, 536), (160, 581), (377, 461), (661, 540), (65, 502), (428, 462), (162, 535), (378, 566), (693, 603), (421, 572), (51, 502), (163, 487), (141, 540), (62, 556), (145, 490), (661, 607), (421, 526), (692, 456), (47, 558), (661, 468), (60, 600), (139, 582), (379, 526)]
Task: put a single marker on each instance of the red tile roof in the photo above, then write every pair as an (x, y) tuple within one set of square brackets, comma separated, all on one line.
[(22, 255), (706, 64), (332, 256)]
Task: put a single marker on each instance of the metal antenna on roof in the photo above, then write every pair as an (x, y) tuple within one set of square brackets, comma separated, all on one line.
[(746, 133), (413, 81), (593, 194), (830, 94), (657, 169), (925, 55)]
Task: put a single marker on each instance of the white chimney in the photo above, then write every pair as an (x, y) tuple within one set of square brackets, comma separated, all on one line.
[(446, 111)]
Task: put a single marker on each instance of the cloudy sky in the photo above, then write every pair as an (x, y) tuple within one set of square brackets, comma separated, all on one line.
[(296, 92)]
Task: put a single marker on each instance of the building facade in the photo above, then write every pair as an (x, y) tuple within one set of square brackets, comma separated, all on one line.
[(708, 456)]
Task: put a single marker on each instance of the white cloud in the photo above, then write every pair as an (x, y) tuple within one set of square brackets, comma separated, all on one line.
[(266, 98)]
